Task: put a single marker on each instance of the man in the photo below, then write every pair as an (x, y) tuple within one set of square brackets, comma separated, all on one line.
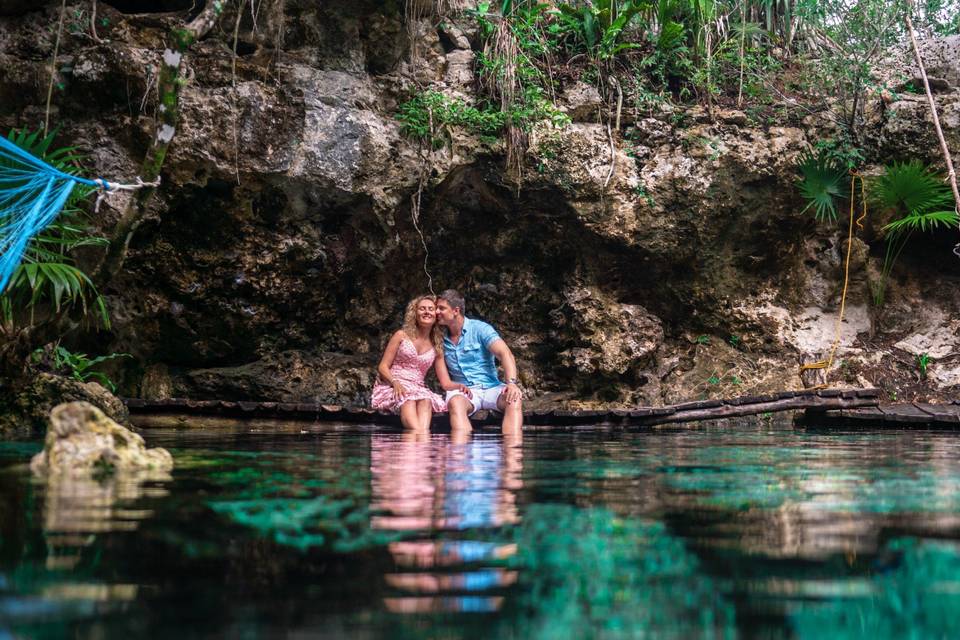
[(469, 349)]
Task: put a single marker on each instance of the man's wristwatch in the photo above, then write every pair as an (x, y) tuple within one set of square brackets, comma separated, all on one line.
[(512, 381)]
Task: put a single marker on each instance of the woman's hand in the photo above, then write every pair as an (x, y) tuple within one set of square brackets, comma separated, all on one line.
[(465, 390), (399, 391)]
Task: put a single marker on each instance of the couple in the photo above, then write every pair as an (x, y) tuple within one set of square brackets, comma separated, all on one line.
[(465, 367)]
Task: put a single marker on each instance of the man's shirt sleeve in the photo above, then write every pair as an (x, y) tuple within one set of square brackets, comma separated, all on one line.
[(487, 334)]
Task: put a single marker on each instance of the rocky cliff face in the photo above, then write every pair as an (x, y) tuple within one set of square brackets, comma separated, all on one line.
[(671, 260)]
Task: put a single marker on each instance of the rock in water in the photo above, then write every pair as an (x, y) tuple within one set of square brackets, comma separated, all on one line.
[(81, 439)]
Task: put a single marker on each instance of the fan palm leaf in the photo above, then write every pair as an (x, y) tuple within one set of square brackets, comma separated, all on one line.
[(822, 183), (910, 189)]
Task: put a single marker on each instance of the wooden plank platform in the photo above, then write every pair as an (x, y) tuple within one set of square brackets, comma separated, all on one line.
[(903, 415), (822, 401)]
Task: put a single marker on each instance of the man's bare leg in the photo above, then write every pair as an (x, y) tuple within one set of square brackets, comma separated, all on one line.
[(512, 416), (459, 408)]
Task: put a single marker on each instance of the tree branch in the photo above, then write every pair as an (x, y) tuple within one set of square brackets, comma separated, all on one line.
[(170, 82), (951, 174)]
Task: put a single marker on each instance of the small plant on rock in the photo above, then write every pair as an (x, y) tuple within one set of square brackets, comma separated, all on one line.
[(823, 183), (79, 366)]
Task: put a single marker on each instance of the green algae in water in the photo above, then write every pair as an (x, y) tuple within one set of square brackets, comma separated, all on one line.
[(590, 572), (291, 499), (916, 596), (19, 450), (737, 478)]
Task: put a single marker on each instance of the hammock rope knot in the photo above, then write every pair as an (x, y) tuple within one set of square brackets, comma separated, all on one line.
[(32, 194)]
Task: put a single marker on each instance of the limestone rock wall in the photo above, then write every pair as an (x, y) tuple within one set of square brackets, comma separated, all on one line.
[(668, 261)]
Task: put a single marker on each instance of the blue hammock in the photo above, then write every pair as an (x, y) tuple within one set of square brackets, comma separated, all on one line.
[(32, 193)]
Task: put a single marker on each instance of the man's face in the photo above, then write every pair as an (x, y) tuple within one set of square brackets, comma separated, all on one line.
[(445, 314)]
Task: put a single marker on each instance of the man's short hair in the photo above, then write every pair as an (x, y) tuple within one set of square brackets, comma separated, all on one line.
[(454, 299)]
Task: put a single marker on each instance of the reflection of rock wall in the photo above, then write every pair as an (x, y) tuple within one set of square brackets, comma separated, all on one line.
[(287, 247)]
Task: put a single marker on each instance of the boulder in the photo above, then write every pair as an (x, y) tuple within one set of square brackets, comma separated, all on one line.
[(81, 439), (27, 412), (614, 338), (581, 101)]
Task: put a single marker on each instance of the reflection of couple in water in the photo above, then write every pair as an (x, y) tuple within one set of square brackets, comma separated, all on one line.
[(446, 499), (467, 371)]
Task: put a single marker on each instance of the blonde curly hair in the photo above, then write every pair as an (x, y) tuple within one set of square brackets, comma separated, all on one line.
[(410, 323)]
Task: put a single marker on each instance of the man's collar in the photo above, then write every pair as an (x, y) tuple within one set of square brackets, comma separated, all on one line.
[(463, 329)]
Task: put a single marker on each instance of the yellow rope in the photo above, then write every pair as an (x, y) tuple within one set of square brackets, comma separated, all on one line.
[(825, 364)]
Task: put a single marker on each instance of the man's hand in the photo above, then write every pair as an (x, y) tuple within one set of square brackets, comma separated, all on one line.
[(512, 393)]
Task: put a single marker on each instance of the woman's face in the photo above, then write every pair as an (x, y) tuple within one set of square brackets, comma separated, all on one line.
[(426, 313)]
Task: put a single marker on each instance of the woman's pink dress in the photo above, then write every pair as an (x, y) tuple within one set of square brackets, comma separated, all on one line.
[(409, 369)]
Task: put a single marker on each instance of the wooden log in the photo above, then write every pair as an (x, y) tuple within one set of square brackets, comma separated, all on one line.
[(787, 404), (822, 400), (904, 415), (812, 377), (940, 413)]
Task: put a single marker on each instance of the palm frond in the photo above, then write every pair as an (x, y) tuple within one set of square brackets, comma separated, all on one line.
[(43, 272), (910, 188), (923, 222), (35, 186), (821, 185)]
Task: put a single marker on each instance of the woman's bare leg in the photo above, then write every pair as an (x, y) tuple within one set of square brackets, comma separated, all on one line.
[(408, 415), (424, 414)]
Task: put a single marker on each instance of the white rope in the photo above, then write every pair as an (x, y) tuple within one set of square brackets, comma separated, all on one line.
[(106, 188)]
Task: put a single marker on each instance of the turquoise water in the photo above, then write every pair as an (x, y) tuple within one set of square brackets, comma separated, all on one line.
[(267, 531)]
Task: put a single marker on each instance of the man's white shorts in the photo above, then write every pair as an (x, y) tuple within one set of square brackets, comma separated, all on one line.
[(481, 398)]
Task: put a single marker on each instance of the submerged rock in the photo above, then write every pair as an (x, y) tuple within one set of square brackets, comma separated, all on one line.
[(82, 439)]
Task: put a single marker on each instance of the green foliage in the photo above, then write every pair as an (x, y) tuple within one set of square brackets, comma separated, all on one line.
[(860, 32), (923, 362), (919, 200), (596, 28), (79, 366), (823, 182), (427, 114), (48, 274), (840, 151), (917, 194)]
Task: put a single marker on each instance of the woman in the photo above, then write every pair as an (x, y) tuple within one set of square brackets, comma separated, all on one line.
[(408, 357)]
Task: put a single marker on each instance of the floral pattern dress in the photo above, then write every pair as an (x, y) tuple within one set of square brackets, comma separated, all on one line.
[(409, 369)]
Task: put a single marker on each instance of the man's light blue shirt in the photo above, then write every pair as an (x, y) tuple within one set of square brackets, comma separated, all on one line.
[(470, 361)]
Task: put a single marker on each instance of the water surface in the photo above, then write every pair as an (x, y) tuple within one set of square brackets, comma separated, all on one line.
[(265, 530)]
